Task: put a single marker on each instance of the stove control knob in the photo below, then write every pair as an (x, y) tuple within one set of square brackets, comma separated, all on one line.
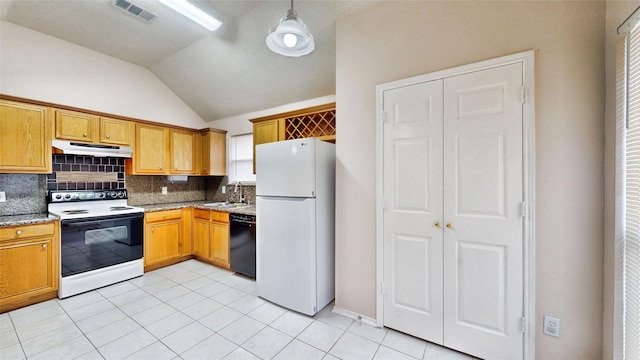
[(58, 196), (113, 194), (67, 196), (101, 195), (120, 194)]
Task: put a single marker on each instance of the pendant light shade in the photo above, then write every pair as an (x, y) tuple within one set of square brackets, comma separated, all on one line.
[(291, 37)]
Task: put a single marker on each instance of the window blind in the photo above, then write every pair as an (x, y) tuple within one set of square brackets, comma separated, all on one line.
[(631, 217)]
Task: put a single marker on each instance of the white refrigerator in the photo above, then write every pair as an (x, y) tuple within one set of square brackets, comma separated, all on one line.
[(295, 223)]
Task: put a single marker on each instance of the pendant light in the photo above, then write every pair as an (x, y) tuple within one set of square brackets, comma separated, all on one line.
[(291, 37)]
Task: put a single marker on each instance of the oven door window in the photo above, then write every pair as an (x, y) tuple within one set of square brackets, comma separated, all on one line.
[(94, 243)]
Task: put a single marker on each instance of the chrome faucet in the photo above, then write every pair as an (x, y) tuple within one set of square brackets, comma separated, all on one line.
[(236, 190)]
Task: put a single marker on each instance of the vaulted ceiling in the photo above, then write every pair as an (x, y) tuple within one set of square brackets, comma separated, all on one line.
[(218, 74)]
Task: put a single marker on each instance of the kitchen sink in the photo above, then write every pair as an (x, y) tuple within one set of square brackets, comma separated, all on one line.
[(225, 205)]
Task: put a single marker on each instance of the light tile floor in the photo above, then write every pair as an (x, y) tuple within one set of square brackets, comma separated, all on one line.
[(193, 310)]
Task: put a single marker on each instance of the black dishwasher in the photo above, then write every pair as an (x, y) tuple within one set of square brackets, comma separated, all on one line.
[(243, 244)]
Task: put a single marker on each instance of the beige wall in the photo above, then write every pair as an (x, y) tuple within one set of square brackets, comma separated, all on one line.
[(395, 40), (616, 13), (41, 67)]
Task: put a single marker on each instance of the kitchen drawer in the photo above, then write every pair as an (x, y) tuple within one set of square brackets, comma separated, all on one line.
[(163, 215), (26, 231), (219, 216), (201, 214)]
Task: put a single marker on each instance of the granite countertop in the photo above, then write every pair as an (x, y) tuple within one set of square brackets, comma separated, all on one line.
[(29, 219), (243, 209)]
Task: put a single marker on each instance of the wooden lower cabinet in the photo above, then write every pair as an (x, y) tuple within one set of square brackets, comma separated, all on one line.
[(201, 233), (220, 241), (29, 264), (166, 238), (211, 237)]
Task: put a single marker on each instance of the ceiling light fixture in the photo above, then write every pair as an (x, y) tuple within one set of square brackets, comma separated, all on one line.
[(291, 37), (194, 13)]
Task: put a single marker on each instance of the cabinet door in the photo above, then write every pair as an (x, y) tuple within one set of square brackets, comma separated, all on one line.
[(183, 150), (26, 266), (71, 125), (201, 237), (150, 152), (162, 241), (29, 264), (117, 132), (26, 138), (220, 243), (264, 132), (213, 152)]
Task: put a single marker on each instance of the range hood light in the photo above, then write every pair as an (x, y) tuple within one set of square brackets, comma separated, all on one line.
[(75, 148)]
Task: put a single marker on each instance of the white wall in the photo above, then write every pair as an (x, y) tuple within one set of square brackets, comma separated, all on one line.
[(393, 40), (41, 67)]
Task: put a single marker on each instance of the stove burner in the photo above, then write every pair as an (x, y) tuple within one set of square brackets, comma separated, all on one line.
[(118, 208), (73, 212)]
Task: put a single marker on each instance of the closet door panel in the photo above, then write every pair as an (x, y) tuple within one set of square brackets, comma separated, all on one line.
[(413, 197), (483, 193)]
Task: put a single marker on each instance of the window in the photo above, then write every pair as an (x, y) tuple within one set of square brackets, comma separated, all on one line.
[(241, 158), (628, 190)]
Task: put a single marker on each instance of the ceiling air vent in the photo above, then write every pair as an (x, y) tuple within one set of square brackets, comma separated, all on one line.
[(134, 10)]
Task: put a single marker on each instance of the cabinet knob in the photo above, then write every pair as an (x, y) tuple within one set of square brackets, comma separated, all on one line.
[(85, 134), (437, 225), (108, 136), (19, 232), (44, 246), (153, 229), (449, 226), (164, 216)]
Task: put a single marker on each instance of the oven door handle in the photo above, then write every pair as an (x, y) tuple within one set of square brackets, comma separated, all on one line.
[(80, 222), (85, 223)]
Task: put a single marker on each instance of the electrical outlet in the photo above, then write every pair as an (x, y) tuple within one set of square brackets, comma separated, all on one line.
[(164, 190), (3, 196), (224, 189), (551, 326)]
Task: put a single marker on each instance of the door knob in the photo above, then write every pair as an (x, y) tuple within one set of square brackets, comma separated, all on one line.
[(449, 226), (437, 225)]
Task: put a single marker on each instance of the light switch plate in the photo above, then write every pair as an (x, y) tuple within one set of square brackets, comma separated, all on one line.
[(164, 190), (224, 189), (3, 197), (551, 326)]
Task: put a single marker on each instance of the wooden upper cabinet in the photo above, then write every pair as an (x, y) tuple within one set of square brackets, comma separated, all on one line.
[(317, 121), (265, 132), (183, 151), (25, 138), (150, 151), (213, 152), (73, 125), (116, 132)]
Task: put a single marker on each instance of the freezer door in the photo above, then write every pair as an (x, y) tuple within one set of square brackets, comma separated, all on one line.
[(286, 168), (286, 252)]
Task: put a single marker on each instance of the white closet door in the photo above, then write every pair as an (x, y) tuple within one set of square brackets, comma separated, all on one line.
[(413, 269), (483, 191)]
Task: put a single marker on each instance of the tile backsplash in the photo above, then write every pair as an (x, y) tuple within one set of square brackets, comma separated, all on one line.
[(26, 194), (80, 172), (147, 189)]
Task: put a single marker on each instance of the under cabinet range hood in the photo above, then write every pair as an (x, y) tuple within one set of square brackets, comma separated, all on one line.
[(77, 148)]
